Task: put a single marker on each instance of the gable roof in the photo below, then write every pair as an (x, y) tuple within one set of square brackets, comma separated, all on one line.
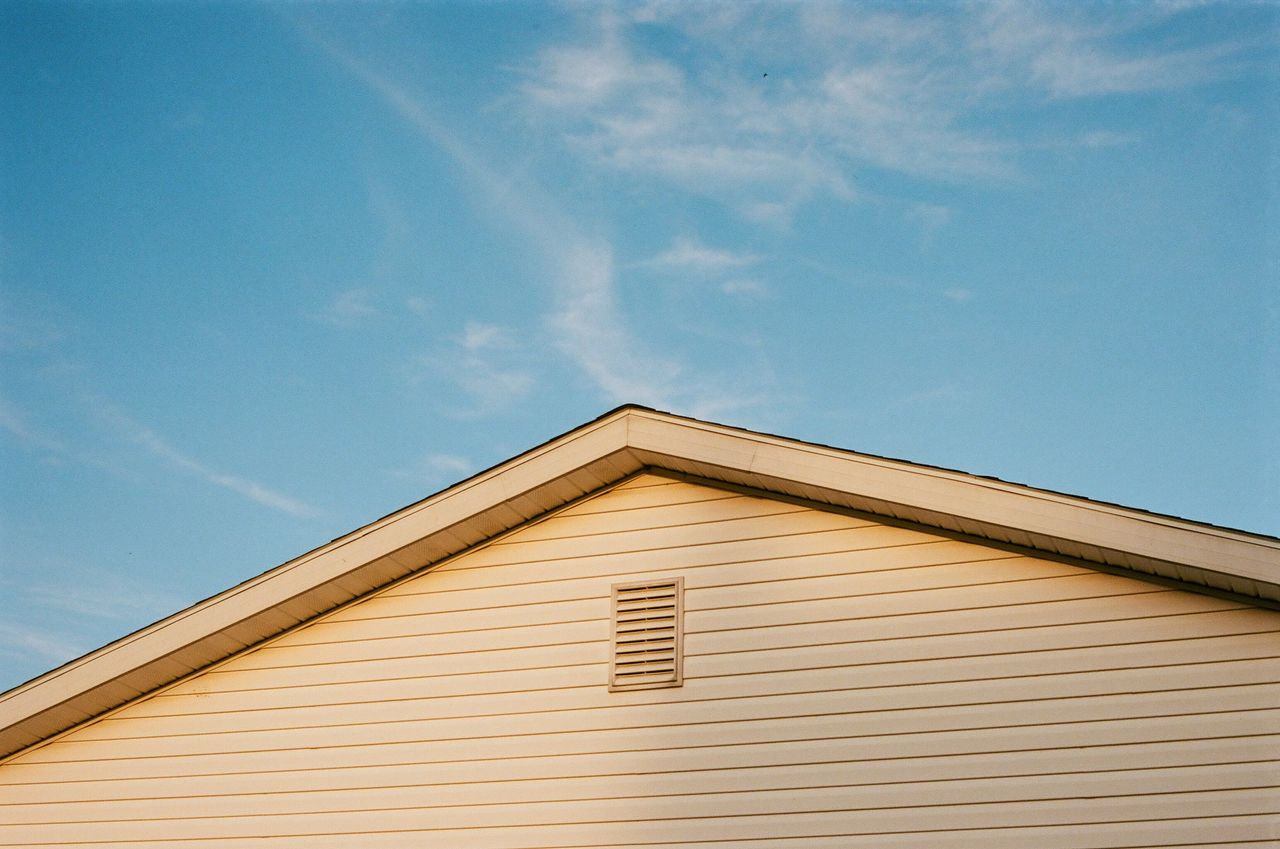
[(599, 454)]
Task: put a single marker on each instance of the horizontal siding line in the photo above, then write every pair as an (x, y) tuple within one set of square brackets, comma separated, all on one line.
[(859, 573), (741, 816), (692, 495), (577, 511), (931, 612), (881, 593), (682, 724), (1056, 827), (634, 845), (574, 513), (634, 482), (930, 636), (692, 611), (514, 540), (695, 611), (392, 616), (728, 675), (588, 777), (931, 658), (707, 609), (1109, 845), (738, 745), (433, 654), (834, 552), (1090, 597), (602, 576), (457, 805), (858, 665), (454, 631), (379, 658), (562, 558), (220, 691)]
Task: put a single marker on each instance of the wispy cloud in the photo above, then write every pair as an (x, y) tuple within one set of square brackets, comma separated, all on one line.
[(17, 423), (744, 287), (1087, 57), (578, 77), (644, 116), (349, 308), (181, 461), (450, 464), (687, 253), (101, 601), (478, 336), (585, 320), (588, 328), (486, 364), (689, 256), (432, 469), (724, 126), (763, 127), (22, 641)]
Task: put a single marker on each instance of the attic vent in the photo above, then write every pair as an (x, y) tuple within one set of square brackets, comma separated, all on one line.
[(647, 635)]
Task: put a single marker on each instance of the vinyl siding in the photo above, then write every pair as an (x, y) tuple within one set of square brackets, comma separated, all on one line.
[(847, 683)]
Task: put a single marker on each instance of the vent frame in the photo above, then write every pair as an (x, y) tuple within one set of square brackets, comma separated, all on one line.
[(670, 658)]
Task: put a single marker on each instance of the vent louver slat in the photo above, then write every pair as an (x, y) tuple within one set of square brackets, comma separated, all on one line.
[(647, 635)]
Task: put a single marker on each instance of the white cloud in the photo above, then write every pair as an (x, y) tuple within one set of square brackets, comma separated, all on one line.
[(574, 77), (102, 601), (902, 117), (744, 286), (477, 336), (1076, 57), (723, 128), (765, 107), (22, 641), (687, 253), (434, 470), (588, 327), (485, 364), (447, 463), (958, 294), (181, 461), (349, 308), (488, 386), (585, 321), (769, 213), (17, 423)]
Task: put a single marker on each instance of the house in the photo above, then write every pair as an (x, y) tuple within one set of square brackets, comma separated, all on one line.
[(658, 631)]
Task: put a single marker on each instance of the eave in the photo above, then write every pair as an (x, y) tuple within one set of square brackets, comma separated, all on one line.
[(597, 455)]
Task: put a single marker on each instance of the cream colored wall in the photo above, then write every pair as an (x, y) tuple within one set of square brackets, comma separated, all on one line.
[(846, 684)]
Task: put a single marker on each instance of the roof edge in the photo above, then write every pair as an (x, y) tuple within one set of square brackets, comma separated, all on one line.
[(596, 455)]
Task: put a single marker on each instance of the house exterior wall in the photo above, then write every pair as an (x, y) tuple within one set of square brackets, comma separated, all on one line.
[(847, 683)]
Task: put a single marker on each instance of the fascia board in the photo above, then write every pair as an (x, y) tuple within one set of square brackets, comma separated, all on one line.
[(905, 489)]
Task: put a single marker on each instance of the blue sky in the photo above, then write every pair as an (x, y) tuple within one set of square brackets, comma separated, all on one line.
[(270, 272)]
